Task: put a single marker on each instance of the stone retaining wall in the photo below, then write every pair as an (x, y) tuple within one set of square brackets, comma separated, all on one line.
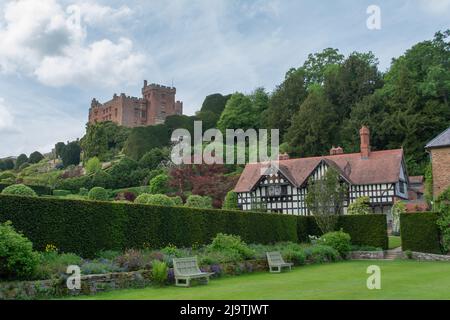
[(362, 255), (429, 256)]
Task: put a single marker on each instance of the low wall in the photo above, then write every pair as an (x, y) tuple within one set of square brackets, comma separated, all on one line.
[(429, 256), (363, 255)]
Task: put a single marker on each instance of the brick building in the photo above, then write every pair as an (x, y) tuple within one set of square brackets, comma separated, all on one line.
[(156, 104), (439, 150)]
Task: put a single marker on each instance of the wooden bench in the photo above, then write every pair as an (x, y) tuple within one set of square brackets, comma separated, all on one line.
[(186, 269), (276, 262)]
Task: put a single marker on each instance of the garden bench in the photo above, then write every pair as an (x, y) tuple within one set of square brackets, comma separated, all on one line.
[(186, 269), (276, 262)]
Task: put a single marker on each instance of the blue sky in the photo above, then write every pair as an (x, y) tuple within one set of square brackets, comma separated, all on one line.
[(56, 55)]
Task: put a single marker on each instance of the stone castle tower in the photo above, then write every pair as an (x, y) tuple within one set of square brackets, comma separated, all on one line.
[(156, 104)]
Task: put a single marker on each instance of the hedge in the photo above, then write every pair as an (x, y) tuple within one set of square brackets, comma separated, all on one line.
[(40, 190), (419, 232), (87, 227), (365, 230)]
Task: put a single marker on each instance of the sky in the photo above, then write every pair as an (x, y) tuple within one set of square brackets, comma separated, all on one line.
[(56, 55)]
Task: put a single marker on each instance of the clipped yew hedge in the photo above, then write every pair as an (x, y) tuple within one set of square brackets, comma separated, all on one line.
[(420, 232), (364, 230), (86, 227)]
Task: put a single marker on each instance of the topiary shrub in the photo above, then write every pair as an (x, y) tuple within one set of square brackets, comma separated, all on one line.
[(93, 165), (98, 193), (338, 240), (17, 258), (19, 190)]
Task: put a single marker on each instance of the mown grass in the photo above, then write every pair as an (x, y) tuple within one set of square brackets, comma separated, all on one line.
[(400, 279)]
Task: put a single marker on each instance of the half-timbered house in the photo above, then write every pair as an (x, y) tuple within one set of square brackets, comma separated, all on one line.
[(380, 175)]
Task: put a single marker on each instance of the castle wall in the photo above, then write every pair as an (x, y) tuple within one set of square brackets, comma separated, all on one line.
[(156, 104)]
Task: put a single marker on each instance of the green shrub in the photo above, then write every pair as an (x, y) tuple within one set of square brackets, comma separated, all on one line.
[(297, 257), (196, 201), (155, 199), (52, 263), (360, 206), (142, 199), (177, 201), (7, 175), (159, 272), (99, 194), (420, 232), (408, 254), (19, 190), (231, 201), (159, 184), (83, 192), (231, 243), (17, 258), (338, 240), (61, 193), (321, 253), (93, 165)]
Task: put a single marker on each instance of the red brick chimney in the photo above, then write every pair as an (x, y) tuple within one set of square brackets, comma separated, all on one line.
[(364, 134), (334, 151)]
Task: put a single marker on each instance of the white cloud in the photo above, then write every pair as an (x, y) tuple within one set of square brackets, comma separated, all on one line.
[(44, 40), (96, 15), (438, 7), (6, 118)]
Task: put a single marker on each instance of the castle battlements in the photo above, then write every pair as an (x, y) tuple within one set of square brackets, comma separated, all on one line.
[(157, 103)]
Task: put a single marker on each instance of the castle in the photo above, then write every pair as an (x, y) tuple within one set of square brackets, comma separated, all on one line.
[(157, 103)]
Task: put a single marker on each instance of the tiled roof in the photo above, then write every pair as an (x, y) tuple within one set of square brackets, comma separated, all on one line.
[(442, 140), (380, 167)]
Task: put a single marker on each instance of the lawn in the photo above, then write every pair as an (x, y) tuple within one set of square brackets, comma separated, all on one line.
[(394, 242), (400, 279)]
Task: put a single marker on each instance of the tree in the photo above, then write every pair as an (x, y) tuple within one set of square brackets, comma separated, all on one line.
[(285, 101), (360, 206), (93, 165), (59, 149), (35, 157), (6, 164), (71, 154), (143, 139), (152, 159), (122, 173), (314, 126), (325, 199), (317, 64), (21, 159), (212, 108), (231, 201), (159, 184)]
